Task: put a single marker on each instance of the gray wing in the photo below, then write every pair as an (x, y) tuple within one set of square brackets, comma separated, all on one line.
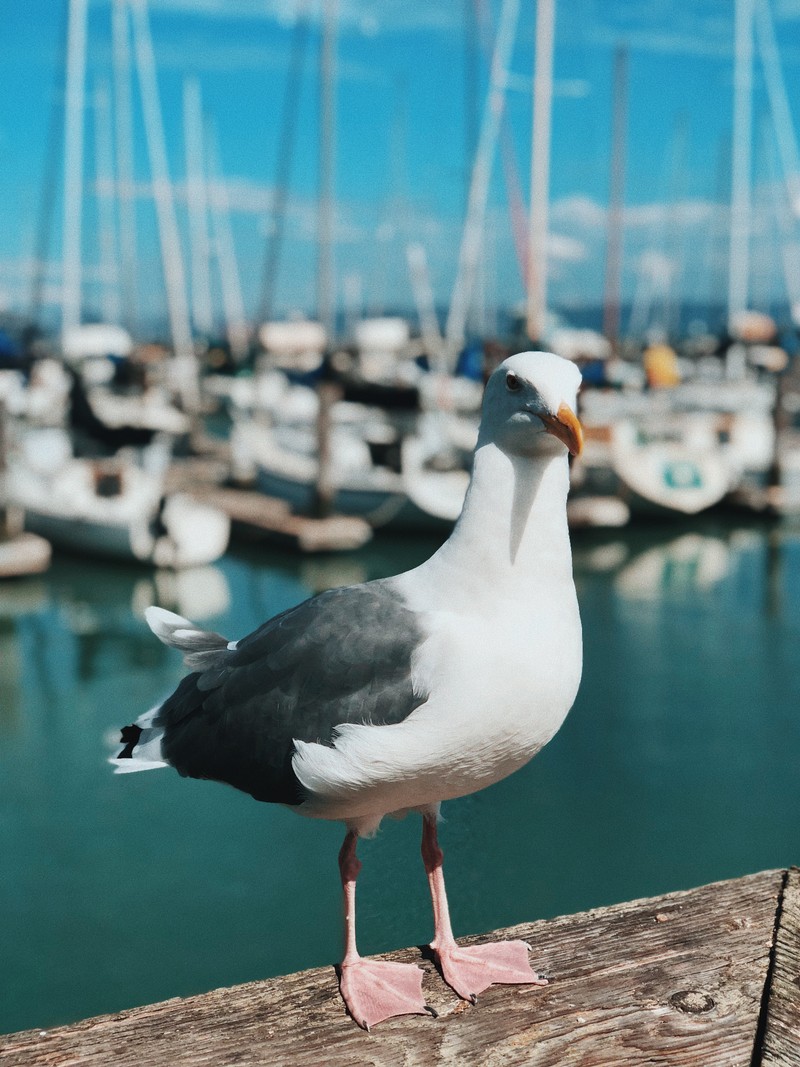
[(343, 656)]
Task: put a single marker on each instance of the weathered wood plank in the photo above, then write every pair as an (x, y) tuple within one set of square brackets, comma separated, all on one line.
[(676, 980), (781, 1045)]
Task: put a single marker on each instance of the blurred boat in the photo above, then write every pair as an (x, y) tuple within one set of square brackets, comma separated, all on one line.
[(110, 508), (95, 340), (654, 464), (398, 436), (366, 464), (291, 351), (682, 448), (41, 397), (23, 554), (103, 419), (673, 466)]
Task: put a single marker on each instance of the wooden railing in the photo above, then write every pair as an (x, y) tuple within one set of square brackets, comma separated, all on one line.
[(709, 976)]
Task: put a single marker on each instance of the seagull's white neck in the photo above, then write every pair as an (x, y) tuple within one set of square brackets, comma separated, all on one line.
[(512, 534)]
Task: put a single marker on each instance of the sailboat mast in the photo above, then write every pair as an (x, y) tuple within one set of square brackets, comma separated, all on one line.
[(784, 221), (470, 249), (613, 281), (123, 115), (104, 172), (326, 303), (171, 255), (231, 285), (739, 265), (73, 166), (785, 135), (198, 207), (286, 149), (540, 168), (426, 307), (50, 187)]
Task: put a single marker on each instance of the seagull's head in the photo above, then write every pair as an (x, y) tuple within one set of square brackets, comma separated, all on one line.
[(529, 406)]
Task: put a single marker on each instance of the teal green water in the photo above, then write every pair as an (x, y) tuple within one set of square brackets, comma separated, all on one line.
[(679, 764)]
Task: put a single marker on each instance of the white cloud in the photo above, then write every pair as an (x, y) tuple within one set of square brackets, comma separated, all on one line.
[(572, 88), (681, 42), (233, 9), (686, 213), (567, 249), (198, 52), (363, 16), (241, 194), (656, 265), (16, 279), (580, 211), (786, 10)]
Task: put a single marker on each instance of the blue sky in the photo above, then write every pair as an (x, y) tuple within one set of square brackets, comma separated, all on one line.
[(401, 159)]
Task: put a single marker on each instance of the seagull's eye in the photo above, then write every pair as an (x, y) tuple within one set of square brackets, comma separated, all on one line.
[(513, 384)]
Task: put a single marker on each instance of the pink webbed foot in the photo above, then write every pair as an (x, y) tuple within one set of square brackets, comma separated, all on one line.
[(375, 990), (471, 970)]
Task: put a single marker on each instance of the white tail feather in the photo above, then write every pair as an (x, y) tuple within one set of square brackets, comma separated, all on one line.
[(201, 648), (165, 623), (128, 766)]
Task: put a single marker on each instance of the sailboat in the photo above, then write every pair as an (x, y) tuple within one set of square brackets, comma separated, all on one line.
[(115, 506), (675, 448), (361, 443), (655, 459)]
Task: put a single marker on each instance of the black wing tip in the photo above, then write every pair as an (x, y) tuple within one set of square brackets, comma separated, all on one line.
[(129, 737)]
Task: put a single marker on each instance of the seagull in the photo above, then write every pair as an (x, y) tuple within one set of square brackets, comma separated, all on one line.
[(395, 695)]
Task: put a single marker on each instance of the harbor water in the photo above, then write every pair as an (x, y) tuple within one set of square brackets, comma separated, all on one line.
[(677, 766)]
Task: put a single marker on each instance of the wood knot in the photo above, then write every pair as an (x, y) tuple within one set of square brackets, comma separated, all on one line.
[(692, 1001)]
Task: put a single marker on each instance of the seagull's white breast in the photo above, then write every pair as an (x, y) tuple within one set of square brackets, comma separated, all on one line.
[(499, 686)]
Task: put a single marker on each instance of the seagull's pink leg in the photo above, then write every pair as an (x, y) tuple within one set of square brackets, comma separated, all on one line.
[(468, 970), (373, 990)]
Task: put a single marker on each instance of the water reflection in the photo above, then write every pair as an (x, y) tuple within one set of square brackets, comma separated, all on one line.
[(654, 564), (690, 562), (676, 766), (84, 620)]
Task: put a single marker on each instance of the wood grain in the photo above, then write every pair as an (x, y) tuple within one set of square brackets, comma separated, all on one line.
[(676, 980), (781, 1044)]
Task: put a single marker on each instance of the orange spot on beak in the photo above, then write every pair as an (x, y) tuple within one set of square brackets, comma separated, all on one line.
[(565, 426)]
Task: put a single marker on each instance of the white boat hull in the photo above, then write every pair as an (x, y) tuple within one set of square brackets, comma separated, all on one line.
[(193, 534), (659, 480), (115, 510), (382, 509)]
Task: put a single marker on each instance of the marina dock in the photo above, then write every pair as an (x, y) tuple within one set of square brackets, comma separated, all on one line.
[(260, 517), (708, 976)]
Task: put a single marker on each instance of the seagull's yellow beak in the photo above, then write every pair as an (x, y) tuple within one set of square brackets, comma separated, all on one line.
[(565, 426)]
